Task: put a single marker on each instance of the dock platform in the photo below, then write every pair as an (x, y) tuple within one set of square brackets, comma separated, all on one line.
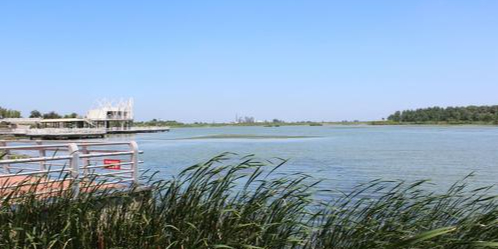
[(78, 133), (63, 134), (138, 130)]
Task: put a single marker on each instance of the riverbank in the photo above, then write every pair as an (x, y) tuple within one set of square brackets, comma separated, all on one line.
[(200, 125), (440, 123), (373, 123)]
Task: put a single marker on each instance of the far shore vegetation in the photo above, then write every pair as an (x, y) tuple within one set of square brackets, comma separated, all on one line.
[(469, 115), (449, 115), (176, 124), (9, 113)]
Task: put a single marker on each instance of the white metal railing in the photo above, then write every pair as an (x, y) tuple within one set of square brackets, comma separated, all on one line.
[(104, 163)]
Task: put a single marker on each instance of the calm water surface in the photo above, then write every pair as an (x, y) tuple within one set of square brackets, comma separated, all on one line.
[(341, 155)]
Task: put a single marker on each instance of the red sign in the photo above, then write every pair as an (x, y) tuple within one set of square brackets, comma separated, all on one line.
[(112, 163)]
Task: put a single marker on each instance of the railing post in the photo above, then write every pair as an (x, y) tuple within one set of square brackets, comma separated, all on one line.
[(85, 161), (42, 154), (134, 162), (74, 163), (6, 167)]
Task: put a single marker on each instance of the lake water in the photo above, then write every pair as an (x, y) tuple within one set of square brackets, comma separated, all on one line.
[(341, 155)]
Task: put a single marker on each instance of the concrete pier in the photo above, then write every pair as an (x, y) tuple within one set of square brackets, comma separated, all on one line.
[(77, 133)]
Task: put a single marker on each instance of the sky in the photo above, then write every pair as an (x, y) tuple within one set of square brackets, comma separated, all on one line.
[(208, 61)]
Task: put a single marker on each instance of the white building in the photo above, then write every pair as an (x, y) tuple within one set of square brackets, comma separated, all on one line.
[(112, 115)]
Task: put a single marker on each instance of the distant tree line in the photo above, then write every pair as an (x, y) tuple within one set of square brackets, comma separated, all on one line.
[(270, 123), (467, 114), (8, 113), (51, 115), (156, 122)]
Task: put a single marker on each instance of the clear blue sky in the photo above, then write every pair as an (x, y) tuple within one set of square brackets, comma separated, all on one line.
[(208, 60)]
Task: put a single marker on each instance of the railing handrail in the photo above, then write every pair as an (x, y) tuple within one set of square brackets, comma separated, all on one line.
[(34, 159), (61, 142), (33, 147)]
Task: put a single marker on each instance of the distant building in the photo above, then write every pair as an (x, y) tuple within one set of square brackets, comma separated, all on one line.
[(112, 115)]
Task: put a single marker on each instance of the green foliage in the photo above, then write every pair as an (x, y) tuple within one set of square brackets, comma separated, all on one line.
[(155, 122), (35, 114), (72, 115), (469, 114), (8, 113), (231, 202), (273, 123), (388, 122), (51, 115)]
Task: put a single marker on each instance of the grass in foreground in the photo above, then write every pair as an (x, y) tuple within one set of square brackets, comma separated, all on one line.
[(231, 202)]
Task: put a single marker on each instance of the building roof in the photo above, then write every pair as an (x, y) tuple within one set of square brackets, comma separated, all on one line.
[(21, 120)]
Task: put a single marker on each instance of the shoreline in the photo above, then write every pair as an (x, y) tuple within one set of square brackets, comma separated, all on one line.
[(367, 123)]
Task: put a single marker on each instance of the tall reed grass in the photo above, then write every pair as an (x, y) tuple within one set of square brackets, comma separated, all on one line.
[(241, 202)]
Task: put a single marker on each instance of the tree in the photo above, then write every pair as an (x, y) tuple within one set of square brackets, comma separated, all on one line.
[(486, 114), (8, 113), (395, 117), (72, 115), (51, 115), (35, 114)]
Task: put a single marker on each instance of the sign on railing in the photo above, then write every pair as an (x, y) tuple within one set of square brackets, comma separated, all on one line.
[(112, 164)]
